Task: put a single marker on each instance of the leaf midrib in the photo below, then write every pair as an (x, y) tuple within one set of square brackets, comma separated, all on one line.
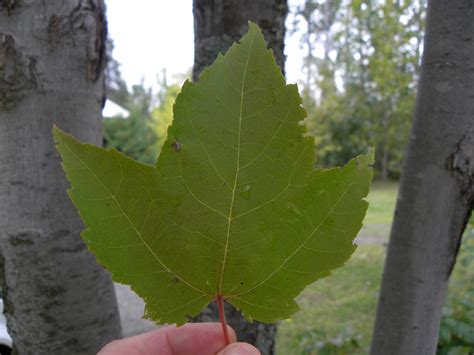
[(237, 170)]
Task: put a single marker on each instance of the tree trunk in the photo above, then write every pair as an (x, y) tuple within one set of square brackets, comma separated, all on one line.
[(57, 299), (217, 24), (436, 194)]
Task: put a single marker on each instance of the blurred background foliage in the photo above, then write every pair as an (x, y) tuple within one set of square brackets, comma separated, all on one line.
[(140, 129), (133, 135), (361, 67)]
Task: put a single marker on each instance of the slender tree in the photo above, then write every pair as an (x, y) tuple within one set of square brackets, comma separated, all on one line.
[(57, 299), (217, 24), (436, 194)]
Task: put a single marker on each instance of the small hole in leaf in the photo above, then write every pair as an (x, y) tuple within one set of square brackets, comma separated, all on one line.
[(175, 279)]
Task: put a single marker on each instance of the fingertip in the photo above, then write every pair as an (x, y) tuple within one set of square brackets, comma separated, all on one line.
[(197, 338), (239, 349)]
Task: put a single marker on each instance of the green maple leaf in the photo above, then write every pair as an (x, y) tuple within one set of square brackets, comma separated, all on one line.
[(233, 208)]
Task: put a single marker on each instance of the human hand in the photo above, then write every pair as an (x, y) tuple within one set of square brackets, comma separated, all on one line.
[(192, 338)]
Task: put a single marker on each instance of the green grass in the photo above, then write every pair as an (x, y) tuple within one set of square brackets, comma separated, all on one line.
[(348, 299), (382, 198)]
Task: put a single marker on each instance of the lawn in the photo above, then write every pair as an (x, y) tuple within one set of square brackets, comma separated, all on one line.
[(340, 309), (382, 198)]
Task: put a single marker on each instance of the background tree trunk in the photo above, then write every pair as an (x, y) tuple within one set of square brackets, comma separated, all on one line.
[(57, 299), (217, 24), (436, 194)]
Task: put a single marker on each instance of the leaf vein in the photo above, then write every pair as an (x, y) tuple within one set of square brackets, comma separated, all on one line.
[(229, 218), (130, 222), (305, 241), (204, 147), (194, 195)]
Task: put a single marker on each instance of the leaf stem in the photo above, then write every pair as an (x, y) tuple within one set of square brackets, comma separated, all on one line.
[(220, 307)]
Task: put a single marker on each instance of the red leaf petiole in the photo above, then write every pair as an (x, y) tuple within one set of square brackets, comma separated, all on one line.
[(220, 307)]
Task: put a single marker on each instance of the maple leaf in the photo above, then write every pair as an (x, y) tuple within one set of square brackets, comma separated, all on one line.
[(233, 208)]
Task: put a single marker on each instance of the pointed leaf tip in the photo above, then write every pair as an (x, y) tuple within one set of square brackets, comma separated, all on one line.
[(55, 131)]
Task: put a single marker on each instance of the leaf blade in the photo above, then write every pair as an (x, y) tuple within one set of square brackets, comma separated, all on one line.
[(232, 208), (110, 218), (289, 275)]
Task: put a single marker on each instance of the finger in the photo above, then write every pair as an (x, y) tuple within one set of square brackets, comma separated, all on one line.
[(193, 338), (198, 338), (239, 349)]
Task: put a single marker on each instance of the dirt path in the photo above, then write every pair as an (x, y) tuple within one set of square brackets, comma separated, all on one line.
[(375, 234)]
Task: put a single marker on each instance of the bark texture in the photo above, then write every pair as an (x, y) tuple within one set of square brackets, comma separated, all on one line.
[(57, 299), (436, 194), (217, 24)]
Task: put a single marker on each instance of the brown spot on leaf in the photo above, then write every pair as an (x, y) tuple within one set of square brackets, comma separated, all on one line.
[(176, 145)]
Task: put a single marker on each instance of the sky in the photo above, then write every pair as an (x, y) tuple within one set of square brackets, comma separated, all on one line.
[(154, 35)]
